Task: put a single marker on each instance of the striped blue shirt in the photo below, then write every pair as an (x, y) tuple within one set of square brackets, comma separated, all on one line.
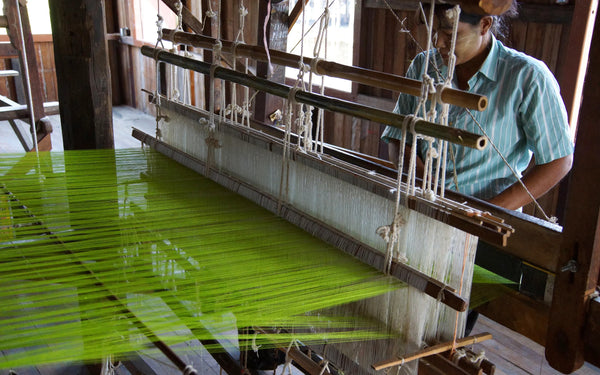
[(525, 116)]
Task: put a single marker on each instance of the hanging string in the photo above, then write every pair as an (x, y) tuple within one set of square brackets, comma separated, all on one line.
[(266, 39), (211, 140), (467, 245), (291, 105), (288, 359), (309, 144), (454, 13), (515, 174), (159, 42), (233, 109), (180, 78)]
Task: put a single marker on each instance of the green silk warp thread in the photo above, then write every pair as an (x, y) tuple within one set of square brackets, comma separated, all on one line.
[(183, 255)]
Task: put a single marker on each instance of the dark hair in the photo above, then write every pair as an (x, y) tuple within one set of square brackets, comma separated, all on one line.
[(500, 26)]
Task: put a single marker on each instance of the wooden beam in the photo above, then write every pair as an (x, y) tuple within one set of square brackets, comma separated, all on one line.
[(7, 50), (592, 333), (431, 350), (453, 135), (520, 314), (20, 111), (189, 19), (573, 67), (83, 75), (543, 252), (356, 74), (295, 14), (580, 246), (19, 31)]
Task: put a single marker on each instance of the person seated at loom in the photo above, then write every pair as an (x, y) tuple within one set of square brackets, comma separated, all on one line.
[(525, 116)]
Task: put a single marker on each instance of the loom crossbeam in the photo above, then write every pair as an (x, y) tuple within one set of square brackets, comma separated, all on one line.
[(473, 220), (329, 68), (453, 135)]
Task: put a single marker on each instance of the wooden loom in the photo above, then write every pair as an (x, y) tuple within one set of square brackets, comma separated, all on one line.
[(252, 170), (550, 240)]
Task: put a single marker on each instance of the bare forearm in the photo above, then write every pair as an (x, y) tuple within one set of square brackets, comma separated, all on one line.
[(538, 180)]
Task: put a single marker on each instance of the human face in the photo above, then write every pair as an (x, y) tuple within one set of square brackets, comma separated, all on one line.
[(470, 42)]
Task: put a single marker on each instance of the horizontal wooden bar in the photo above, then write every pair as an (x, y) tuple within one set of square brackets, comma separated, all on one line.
[(189, 19), (20, 111), (3, 22), (37, 38), (453, 135), (431, 350), (543, 252), (356, 74), (9, 73), (7, 50)]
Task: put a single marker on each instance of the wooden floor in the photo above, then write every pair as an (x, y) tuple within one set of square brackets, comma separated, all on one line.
[(513, 353), (124, 119), (509, 351)]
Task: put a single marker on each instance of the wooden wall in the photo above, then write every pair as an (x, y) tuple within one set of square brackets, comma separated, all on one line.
[(12, 87)]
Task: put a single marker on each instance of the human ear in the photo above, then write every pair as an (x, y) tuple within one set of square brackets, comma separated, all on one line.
[(485, 24)]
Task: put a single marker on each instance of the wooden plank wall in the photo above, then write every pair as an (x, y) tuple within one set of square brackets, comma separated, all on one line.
[(137, 72), (12, 87)]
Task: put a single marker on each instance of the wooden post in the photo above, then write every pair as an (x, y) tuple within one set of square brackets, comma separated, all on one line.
[(580, 246), (19, 30), (83, 74), (572, 70)]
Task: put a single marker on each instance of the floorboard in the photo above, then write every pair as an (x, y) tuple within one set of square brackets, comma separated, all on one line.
[(513, 353)]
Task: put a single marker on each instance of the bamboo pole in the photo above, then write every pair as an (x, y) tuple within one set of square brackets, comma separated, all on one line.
[(356, 74), (435, 349), (431, 129)]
